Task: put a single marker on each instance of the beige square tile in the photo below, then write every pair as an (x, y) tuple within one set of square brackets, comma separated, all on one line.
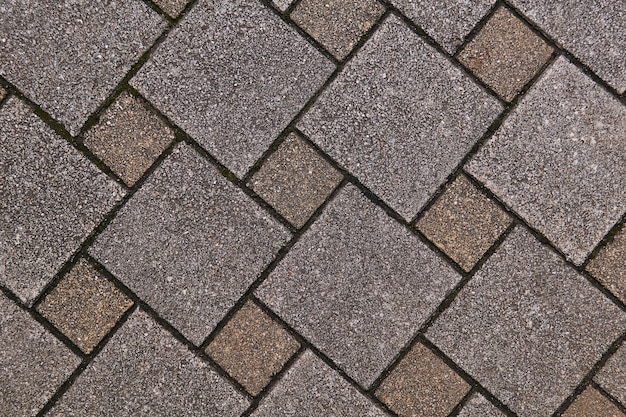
[(590, 403)]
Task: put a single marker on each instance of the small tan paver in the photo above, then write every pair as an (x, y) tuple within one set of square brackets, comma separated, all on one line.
[(3, 93), (172, 7), (612, 377), (84, 306), (252, 348), (591, 403), (609, 265)]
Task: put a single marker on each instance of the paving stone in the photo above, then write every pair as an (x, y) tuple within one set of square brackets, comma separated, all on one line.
[(84, 306), (590, 403), (527, 326), (295, 180), (172, 7), (337, 24), (52, 199), (33, 363), (593, 30), (252, 348), (609, 265), (3, 93), (358, 285), (479, 406), (400, 117), (612, 377), (283, 4), (422, 385), (129, 138), (144, 371), (448, 22), (69, 56), (464, 223), (233, 75), (505, 54), (310, 389), (189, 243), (558, 160)]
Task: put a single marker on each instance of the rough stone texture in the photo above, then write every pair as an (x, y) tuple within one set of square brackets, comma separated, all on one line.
[(233, 75), (448, 22), (144, 371), (52, 199), (252, 348), (464, 223), (612, 377), (129, 138), (422, 385), (358, 285), (479, 406), (33, 363), (609, 265), (337, 24), (172, 7), (189, 243), (400, 117), (84, 306), (558, 160), (283, 4), (3, 93), (68, 56), (505, 54), (295, 180), (311, 389), (527, 326), (593, 30), (590, 403)]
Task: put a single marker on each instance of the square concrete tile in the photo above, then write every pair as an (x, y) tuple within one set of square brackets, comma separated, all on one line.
[(84, 306), (311, 389), (68, 57), (400, 117), (527, 326), (591, 403), (33, 363), (358, 285), (189, 243), (52, 199), (144, 371), (612, 377), (558, 160), (172, 7), (233, 75), (479, 406), (609, 265)]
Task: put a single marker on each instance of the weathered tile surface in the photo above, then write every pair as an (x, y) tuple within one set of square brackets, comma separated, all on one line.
[(400, 117), (357, 285), (282, 4), (612, 377), (33, 363), (558, 160), (144, 371), (247, 76), (609, 265), (68, 56), (189, 243), (172, 7), (479, 406), (591, 403), (527, 326), (52, 199)]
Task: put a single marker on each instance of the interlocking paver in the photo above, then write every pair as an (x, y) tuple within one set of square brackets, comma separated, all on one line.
[(400, 117), (612, 377), (358, 285), (609, 265), (52, 199), (68, 56), (3, 93), (233, 75), (310, 389), (172, 7), (527, 326), (144, 371), (558, 160), (33, 363), (189, 243), (282, 4), (591, 403), (593, 30), (479, 406)]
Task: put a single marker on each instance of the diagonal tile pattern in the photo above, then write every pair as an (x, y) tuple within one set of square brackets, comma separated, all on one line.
[(479, 406), (592, 403)]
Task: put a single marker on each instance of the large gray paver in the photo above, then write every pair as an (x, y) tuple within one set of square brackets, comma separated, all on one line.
[(33, 363), (559, 160), (612, 377), (400, 117), (68, 56), (233, 75), (189, 243), (479, 406), (527, 326), (358, 285), (52, 199), (310, 388), (593, 30), (144, 371)]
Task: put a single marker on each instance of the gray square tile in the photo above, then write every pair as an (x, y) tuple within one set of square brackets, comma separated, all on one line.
[(189, 243), (233, 75), (172, 7), (612, 377), (527, 326), (69, 56), (144, 371), (479, 406), (400, 117), (559, 160), (52, 199), (358, 285)]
